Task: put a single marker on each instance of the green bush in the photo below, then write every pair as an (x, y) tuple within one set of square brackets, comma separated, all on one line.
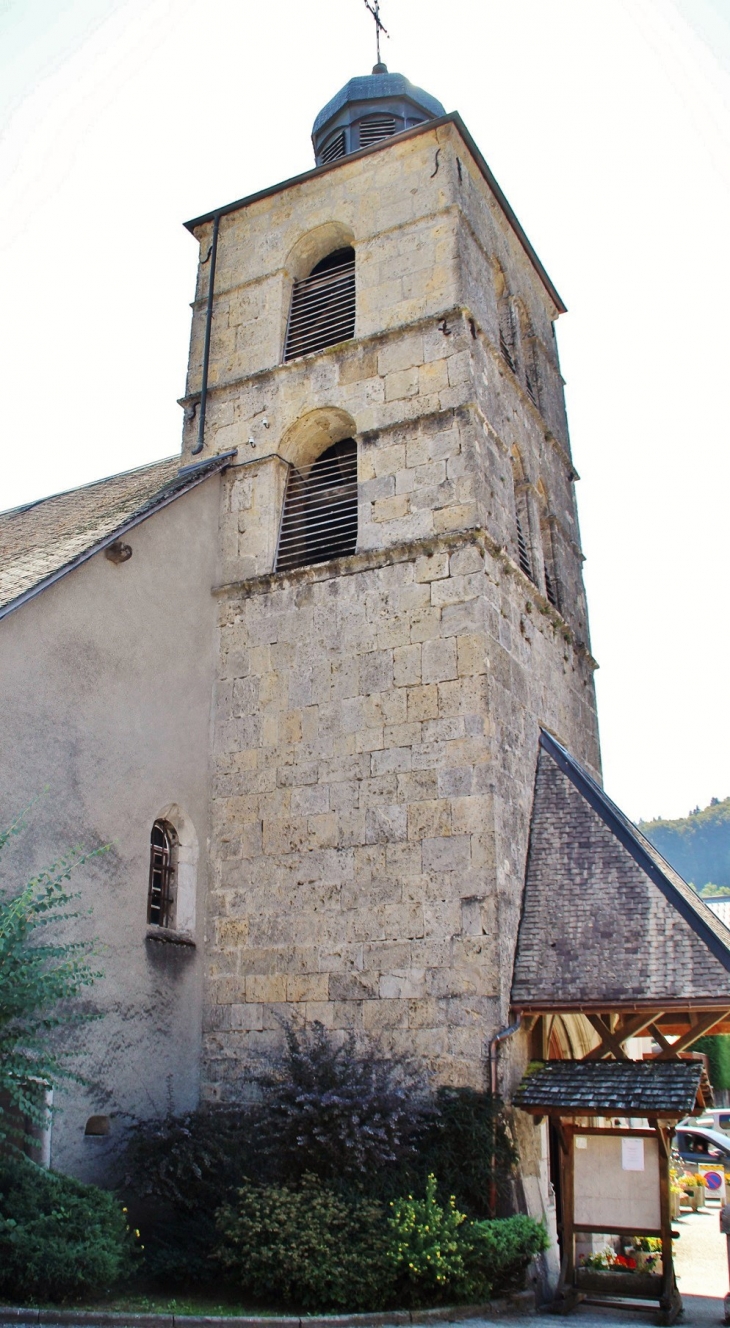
[(178, 1173), (716, 1047), (467, 1145), (496, 1254), (59, 1240), (308, 1247), (426, 1250)]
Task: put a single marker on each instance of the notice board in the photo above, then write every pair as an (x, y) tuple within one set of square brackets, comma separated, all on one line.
[(616, 1181)]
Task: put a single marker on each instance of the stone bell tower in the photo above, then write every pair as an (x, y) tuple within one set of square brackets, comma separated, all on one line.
[(400, 596)]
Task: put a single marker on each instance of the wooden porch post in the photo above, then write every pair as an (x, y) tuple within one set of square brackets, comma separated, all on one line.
[(670, 1301)]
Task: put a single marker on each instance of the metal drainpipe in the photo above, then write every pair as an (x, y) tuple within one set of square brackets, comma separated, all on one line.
[(492, 1054), (206, 347)]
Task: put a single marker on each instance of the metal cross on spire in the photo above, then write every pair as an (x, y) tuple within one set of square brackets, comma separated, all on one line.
[(375, 11)]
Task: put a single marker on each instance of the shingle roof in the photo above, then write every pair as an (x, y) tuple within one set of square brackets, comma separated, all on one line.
[(605, 919), (42, 541), (626, 1088)]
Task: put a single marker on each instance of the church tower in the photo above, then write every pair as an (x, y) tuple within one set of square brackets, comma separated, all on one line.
[(400, 597)]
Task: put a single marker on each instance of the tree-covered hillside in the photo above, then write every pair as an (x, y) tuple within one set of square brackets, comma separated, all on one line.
[(697, 846)]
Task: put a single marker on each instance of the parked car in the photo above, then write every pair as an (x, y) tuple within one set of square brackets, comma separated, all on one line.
[(716, 1119), (699, 1146)]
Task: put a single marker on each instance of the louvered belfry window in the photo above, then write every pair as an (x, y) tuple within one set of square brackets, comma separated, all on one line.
[(507, 334), (550, 588), (523, 553), (335, 148), (319, 520), (161, 893), (374, 128), (322, 306)]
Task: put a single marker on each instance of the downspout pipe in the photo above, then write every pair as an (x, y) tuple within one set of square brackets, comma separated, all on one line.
[(502, 1036), (206, 347), (492, 1053)]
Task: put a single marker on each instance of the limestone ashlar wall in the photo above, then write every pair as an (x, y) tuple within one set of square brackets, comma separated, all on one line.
[(401, 223), (377, 718), (372, 728)]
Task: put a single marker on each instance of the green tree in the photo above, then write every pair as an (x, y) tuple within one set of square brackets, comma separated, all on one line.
[(40, 979)]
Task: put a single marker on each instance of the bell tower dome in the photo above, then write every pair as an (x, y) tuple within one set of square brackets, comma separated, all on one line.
[(367, 110)]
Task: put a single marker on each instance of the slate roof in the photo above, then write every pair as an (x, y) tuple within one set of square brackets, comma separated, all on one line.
[(42, 541), (624, 1088), (606, 922)]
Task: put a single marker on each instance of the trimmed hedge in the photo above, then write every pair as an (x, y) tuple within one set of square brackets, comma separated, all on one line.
[(307, 1247), (315, 1250), (59, 1239)]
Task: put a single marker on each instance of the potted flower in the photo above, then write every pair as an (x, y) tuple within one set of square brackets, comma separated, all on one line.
[(633, 1273)]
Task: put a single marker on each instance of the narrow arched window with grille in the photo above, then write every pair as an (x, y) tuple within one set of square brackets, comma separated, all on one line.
[(523, 548), (552, 583), (163, 872), (507, 336), (322, 309), (319, 518), (522, 515)]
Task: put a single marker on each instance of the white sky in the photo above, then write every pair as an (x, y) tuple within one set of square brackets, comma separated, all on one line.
[(607, 122)]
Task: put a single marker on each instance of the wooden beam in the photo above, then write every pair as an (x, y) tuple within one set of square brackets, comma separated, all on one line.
[(660, 1038), (610, 1043), (627, 1028), (670, 1050)]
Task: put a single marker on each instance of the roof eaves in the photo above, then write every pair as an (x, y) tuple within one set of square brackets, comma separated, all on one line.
[(452, 118), (162, 499), (652, 863)]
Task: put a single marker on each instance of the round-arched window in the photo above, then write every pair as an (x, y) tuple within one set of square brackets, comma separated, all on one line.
[(163, 871)]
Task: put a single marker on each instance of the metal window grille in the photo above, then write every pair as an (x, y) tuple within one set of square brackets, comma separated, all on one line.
[(551, 589), (335, 148), (319, 520), (374, 128), (322, 306), (523, 553), (532, 388), (161, 894), (507, 335)]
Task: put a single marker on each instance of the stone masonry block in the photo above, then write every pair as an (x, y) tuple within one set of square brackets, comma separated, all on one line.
[(407, 665), (432, 567), (439, 660), (429, 818)]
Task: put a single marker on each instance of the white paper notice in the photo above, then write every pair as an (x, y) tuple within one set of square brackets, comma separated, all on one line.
[(581, 1141), (632, 1154)]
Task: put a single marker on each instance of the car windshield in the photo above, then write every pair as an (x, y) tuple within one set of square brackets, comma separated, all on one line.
[(700, 1146)]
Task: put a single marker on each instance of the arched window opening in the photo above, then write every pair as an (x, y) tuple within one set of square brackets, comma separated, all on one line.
[(523, 550), (532, 376), (374, 128), (322, 309), (522, 516), (549, 562), (552, 591), (163, 872), (319, 519), (507, 335)]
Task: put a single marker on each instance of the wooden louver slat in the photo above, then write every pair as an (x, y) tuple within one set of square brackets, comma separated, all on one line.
[(374, 128), (319, 520), (523, 552), (550, 589), (322, 310), (335, 148)]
